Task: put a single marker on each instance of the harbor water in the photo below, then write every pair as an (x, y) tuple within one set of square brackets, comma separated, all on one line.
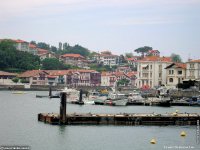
[(19, 127)]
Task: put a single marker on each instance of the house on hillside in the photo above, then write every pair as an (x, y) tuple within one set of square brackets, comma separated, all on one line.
[(153, 53), (176, 73), (107, 58), (74, 60), (21, 45)]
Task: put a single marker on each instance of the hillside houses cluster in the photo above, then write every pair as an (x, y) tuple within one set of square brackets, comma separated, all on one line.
[(151, 71)]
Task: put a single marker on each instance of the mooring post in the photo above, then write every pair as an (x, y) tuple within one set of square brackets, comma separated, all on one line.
[(81, 96), (50, 91), (63, 100)]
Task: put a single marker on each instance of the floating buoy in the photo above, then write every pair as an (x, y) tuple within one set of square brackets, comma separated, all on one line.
[(183, 133), (153, 141)]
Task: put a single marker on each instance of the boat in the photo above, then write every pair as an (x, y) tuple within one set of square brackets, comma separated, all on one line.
[(160, 101), (135, 98), (18, 92), (116, 99)]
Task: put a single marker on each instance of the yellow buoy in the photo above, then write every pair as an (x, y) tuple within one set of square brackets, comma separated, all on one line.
[(153, 141), (183, 133)]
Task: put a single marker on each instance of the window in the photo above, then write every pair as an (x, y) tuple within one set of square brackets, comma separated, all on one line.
[(171, 80), (160, 74), (34, 78), (191, 65), (179, 72), (171, 72)]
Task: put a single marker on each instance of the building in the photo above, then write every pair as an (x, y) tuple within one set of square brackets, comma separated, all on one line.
[(152, 72), (153, 53), (81, 77), (33, 49), (176, 73), (107, 58), (21, 45), (74, 59), (107, 79), (124, 69), (6, 78), (133, 61), (35, 77), (193, 70)]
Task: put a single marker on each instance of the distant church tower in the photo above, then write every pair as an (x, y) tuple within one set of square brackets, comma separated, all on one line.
[(60, 46)]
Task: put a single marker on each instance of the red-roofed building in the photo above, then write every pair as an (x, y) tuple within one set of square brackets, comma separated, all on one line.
[(6, 78), (152, 72), (74, 59), (107, 58), (35, 77), (153, 53), (176, 73), (33, 49), (21, 45), (193, 70)]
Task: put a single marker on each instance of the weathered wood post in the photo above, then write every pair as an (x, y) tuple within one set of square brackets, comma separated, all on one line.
[(50, 91), (63, 100), (81, 96)]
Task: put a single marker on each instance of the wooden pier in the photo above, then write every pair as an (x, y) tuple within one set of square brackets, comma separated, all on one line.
[(121, 119), (117, 119)]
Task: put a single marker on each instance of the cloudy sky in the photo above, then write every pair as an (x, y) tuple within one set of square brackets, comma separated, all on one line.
[(120, 26)]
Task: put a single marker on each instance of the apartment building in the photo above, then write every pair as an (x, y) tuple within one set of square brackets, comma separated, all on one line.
[(152, 72), (193, 69)]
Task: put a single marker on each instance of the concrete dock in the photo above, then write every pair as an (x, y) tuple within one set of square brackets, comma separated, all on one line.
[(121, 119), (117, 119)]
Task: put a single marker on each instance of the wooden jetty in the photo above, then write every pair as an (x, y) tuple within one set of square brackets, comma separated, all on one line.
[(117, 119)]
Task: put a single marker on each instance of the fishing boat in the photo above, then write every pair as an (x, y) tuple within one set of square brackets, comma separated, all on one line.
[(160, 101), (135, 98)]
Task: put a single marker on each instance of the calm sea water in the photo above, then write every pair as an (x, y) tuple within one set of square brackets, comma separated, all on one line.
[(19, 126)]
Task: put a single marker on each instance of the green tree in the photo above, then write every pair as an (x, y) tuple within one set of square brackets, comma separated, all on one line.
[(53, 64), (12, 59), (43, 45), (143, 50), (53, 49), (176, 58), (15, 79), (129, 55), (123, 82)]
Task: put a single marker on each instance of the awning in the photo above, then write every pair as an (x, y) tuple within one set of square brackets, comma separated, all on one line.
[(144, 66)]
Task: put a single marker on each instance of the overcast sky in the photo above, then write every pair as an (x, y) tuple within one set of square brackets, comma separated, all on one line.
[(170, 26)]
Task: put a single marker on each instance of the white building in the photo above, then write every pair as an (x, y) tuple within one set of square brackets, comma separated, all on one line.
[(152, 72), (176, 73), (107, 58), (193, 69), (21, 45)]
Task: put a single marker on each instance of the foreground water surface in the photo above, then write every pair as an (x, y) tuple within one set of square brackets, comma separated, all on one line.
[(19, 126)]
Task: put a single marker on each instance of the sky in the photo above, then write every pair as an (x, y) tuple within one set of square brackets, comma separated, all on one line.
[(121, 26)]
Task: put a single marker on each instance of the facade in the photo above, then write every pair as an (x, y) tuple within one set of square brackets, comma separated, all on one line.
[(84, 78), (33, 49), (35, 77), (133, 61), (153, 53), (74, 59), (21, 45), (124, 69), (176, 73), (107, 58), (107, 79), (193, 70), (6, 78), (152, 72)]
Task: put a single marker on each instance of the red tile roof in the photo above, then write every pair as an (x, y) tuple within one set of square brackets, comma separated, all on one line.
[(130, 74), (32, 73), (32, 46), (82, 70), (72, 55), (57, 72), (134, 58), (3, 73), (197, 61), (156, 58), (19, 41), (181, 65), (42, 51)]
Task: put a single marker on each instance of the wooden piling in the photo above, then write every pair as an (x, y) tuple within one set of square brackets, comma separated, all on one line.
[(63, 103)]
